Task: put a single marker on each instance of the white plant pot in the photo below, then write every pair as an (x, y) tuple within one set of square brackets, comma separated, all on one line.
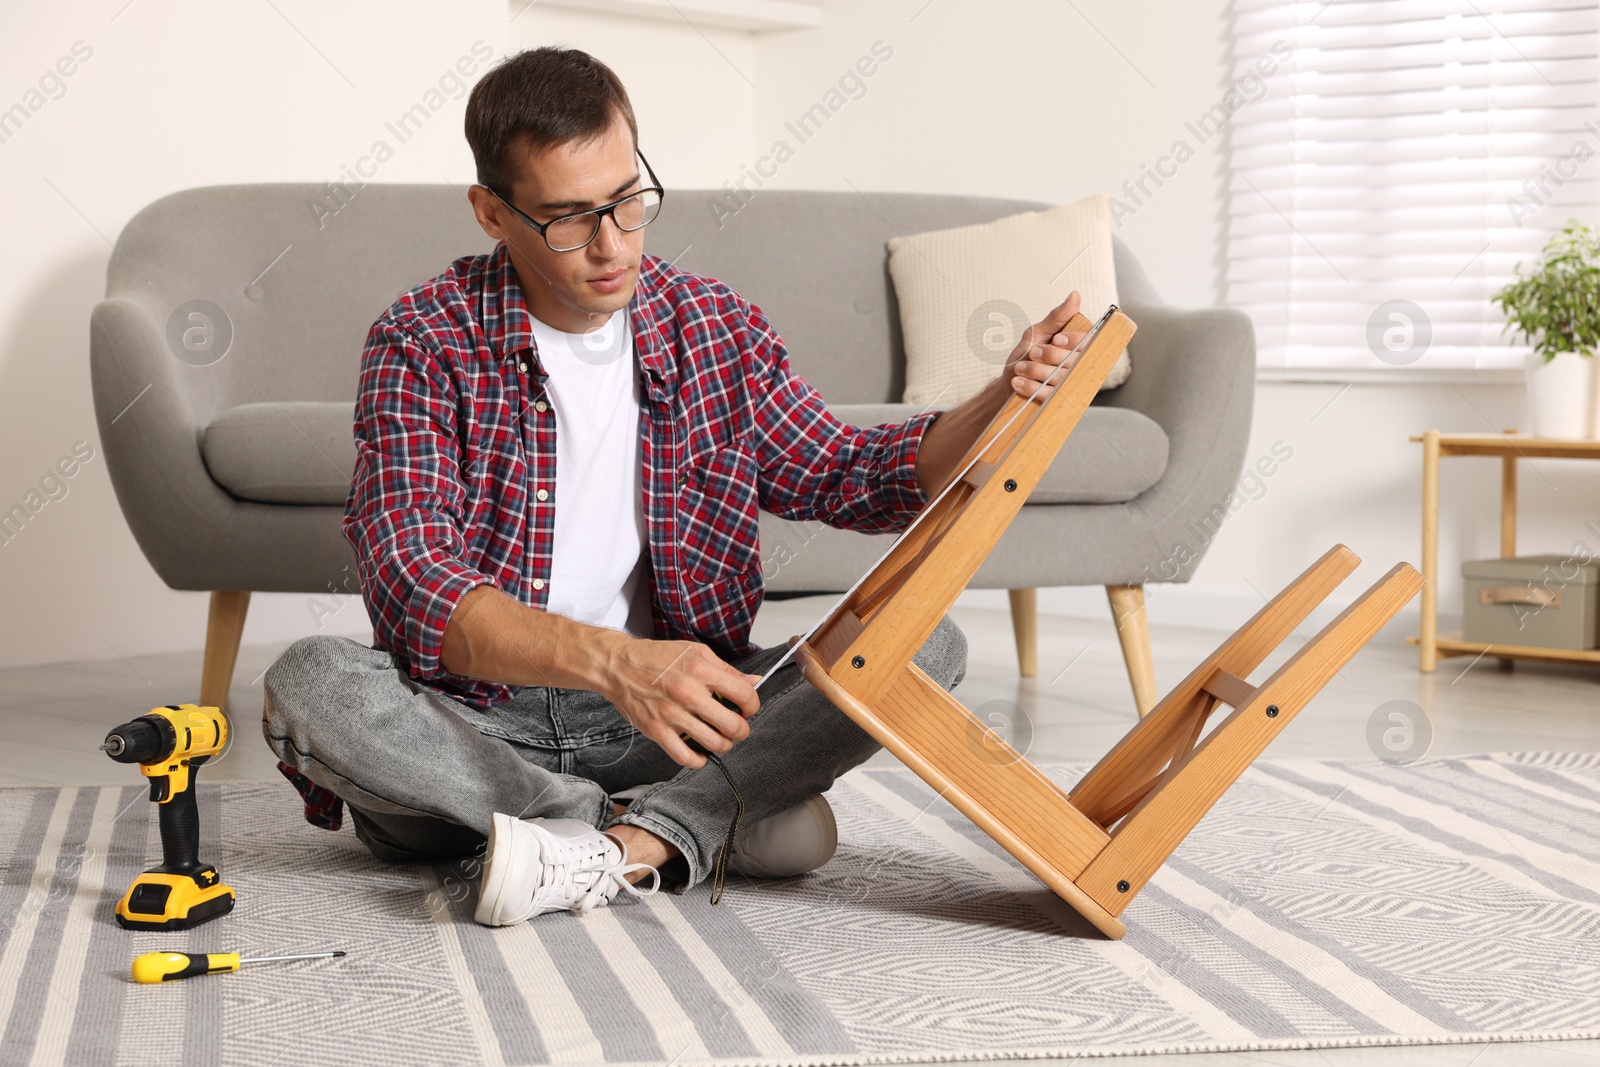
[(1563, 396)]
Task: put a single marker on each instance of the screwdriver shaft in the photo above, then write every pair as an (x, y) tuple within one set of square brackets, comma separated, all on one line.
[(307, 956)]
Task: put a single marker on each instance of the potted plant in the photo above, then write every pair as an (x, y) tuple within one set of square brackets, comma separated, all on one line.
[(1556, 306)]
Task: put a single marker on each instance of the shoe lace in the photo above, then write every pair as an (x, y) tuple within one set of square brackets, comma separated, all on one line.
[(585, 865)]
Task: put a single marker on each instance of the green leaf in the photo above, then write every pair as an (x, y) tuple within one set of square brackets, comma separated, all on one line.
[(1556, 304)]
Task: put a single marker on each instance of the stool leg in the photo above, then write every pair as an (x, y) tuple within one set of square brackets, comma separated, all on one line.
[(1156, 738), (1143, 841)]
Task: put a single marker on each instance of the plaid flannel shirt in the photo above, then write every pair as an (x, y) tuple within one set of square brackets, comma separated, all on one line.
[(454, 483)]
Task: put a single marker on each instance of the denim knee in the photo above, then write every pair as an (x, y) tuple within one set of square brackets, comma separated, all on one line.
[(296, 687)]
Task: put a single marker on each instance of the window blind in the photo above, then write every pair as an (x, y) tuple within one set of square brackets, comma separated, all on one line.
[(1401, 159)]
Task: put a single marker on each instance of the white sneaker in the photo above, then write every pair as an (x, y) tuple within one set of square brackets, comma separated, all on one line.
[(792, 842), (532, 866)]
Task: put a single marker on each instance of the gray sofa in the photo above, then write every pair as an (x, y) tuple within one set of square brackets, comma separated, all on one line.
[(224, 362)]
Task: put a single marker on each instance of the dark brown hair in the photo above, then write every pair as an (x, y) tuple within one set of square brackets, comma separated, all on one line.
[(540, 97)]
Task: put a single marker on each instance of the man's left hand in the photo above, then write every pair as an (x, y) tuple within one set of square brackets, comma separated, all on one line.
[(1043, 351), (1045, 348)]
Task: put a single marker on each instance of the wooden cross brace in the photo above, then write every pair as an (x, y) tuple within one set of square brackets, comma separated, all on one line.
[(1097, 845)]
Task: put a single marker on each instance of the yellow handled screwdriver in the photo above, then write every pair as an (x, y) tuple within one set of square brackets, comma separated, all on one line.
[(155, 967)]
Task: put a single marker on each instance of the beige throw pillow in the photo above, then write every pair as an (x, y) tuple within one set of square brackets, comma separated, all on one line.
[(967, 294)]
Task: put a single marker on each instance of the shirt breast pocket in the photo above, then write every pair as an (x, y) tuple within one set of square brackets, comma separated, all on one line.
[(719, 526)]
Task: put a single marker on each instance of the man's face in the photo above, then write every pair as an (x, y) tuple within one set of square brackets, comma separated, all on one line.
[(579, 290)]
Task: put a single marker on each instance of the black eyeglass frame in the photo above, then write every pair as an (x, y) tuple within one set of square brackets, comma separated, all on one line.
[(600, 212)]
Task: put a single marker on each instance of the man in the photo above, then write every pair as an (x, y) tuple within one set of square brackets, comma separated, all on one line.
[(562, 449)]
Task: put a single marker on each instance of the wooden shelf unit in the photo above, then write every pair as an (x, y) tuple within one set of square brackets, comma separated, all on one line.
[(1451, 644), (1509, 447)]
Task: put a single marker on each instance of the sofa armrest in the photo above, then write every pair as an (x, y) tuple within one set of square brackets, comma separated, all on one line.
[(1193, 373), (149, 431)]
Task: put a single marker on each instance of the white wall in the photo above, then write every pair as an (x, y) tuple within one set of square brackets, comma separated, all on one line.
[(1020, 99), (1051, 101), (1026, 98), (176, 95), (692, 87), (172, 95)]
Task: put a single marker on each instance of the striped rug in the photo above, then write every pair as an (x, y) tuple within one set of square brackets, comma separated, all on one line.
[(1320, 904)]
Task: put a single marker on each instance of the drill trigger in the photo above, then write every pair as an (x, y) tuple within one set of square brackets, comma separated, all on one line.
[(158, 788)]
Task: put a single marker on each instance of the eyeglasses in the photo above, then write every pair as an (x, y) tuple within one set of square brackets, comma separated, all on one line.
[(568, 233)]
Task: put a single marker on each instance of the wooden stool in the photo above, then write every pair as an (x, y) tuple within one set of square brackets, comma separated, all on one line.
[(1098, 845)]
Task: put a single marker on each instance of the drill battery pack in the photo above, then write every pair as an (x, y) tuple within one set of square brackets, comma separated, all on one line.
[(158, 900)]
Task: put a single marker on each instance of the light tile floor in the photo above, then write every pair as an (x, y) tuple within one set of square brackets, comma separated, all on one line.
[(53, 717)]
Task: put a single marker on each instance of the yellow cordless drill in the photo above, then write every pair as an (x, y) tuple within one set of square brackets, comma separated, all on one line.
[(170, 744)]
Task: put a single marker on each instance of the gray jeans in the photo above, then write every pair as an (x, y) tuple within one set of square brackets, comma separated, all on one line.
[(423, 773)]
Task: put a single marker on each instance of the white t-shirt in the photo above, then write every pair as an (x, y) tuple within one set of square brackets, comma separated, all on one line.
[(597, 567)]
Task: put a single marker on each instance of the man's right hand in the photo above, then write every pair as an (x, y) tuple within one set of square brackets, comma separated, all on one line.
[(669, 688), (664, 688)]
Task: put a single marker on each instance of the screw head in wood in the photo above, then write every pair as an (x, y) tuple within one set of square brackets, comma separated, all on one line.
[(1011, 485), (1123, 886), (1272, 711), (858, 662)]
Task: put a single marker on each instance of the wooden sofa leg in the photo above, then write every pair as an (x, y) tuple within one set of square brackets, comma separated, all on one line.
[(224, 628), (1025, 626), (1133, 630)]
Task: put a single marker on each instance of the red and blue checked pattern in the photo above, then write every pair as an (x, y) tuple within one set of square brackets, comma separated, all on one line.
[(456, 441), (323, 806), (455, 483)]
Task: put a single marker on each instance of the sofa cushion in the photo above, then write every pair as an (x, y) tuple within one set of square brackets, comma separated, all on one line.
[(284, 452), (303, 452), (1114, 454), (967, 294)]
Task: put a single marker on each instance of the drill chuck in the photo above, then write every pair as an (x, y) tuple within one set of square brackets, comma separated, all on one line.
[(144, 740)]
